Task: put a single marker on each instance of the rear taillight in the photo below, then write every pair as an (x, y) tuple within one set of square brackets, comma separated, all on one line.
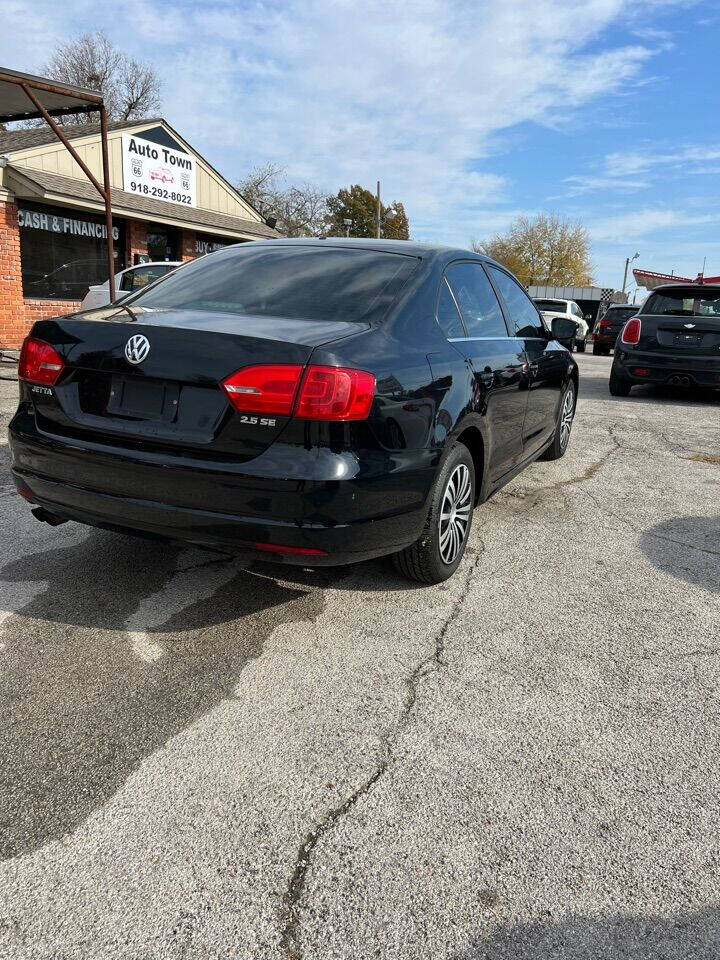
[(605, 323), (264, 389), (631, 331), (321, 393), (39, 362), (335, 393)]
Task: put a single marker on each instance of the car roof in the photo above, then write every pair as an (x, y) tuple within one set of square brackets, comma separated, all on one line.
[(695, 287), (154, 263), (410, 248)]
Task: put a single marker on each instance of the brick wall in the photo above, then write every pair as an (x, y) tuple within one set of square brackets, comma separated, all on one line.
[(136, 240), (12, 313), (17, 315)]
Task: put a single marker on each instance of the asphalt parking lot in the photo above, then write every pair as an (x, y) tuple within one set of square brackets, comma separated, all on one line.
[(202, 760)]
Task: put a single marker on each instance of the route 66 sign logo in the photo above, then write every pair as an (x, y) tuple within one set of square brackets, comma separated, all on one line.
[(185, 182), (137, 167)]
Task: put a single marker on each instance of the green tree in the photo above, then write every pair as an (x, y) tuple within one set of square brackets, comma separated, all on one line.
[(359, 205), (543, 250)]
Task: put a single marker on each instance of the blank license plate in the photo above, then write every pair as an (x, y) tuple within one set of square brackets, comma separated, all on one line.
[(144, 400)]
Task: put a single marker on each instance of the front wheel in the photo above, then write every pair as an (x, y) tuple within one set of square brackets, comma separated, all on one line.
[(436, 555), (561, 437)]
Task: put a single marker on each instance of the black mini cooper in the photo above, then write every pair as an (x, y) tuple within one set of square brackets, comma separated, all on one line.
[(312, 401)]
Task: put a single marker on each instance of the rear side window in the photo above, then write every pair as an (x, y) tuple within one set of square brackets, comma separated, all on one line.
[(521, 310), (447, 314), (298, 282), (477, 301)]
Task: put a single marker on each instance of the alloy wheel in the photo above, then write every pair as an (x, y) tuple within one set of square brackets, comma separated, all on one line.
[(566, 417), (455, 513)]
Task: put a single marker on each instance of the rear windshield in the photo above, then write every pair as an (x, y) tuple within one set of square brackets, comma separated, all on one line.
[(619, 312), (684, 303), (555, 306), (303, 283)]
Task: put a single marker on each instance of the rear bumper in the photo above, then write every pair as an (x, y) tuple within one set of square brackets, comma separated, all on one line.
[(700, 371), (605, 339), (293, 498)]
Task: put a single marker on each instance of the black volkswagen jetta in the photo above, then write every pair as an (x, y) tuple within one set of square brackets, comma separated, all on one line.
[(673, 339), (311, 401)]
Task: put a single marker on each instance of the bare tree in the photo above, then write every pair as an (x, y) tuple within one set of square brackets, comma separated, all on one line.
[(131, 90), (300, 210)]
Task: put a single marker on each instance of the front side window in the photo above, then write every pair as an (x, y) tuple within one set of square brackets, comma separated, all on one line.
[(448, 315), (295, 282), (476, 298), (522, 312)]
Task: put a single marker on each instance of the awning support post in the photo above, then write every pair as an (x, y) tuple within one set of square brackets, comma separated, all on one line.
[(103, 191), (108, 202)]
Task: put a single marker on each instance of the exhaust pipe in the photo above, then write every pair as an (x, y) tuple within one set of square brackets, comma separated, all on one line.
[(40, 513), (679, 380)]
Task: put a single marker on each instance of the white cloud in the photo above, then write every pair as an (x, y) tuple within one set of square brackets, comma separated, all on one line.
[(342, 92), (635, 224), (628, 171)]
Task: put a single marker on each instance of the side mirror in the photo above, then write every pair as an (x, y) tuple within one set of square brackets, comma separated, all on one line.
[(564, 330)]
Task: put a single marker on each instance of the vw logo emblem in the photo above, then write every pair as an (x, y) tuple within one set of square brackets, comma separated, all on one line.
[(137, 348)]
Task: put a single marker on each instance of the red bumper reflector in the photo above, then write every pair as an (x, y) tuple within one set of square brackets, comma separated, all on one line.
[(641, 371), (25, 492), (278, 548)]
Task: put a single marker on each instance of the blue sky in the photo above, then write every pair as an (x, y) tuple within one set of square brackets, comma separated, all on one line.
[(469, 111)]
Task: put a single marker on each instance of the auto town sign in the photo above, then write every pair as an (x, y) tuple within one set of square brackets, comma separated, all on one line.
[(158, 172)]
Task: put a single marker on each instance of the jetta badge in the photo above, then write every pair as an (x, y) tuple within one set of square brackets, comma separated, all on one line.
[(689, 326), (137, 348)]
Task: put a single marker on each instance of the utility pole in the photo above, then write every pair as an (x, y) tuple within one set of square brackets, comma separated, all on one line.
[(377, 212), (628, 261)]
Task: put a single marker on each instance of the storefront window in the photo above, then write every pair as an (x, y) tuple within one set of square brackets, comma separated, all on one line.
[(63, 252), (205, 245)]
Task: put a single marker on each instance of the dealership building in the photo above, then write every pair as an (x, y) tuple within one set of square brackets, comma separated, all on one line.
[(168, 203)]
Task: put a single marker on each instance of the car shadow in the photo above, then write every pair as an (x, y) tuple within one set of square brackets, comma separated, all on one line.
[(81, 710), (688, 935), (686, 548)]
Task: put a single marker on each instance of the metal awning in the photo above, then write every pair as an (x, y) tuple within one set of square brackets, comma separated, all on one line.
[(57, 99), (27, 97)]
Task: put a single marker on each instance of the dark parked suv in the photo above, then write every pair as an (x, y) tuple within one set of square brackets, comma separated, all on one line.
[(313, 402), (609, 326), (674, 339)]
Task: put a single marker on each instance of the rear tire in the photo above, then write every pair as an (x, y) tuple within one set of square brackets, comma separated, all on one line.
[(581, 347), (566, 415), (619, 386), (436, 555), (599, 351)]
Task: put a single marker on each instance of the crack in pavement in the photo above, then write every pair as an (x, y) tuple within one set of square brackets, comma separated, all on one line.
[(290, 939), (522, 493)]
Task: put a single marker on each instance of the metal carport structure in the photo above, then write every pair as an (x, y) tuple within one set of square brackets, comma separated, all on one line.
[(26, 97)]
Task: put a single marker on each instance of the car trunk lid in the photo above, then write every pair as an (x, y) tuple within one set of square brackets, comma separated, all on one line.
[(172, 398), (696, 335)]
